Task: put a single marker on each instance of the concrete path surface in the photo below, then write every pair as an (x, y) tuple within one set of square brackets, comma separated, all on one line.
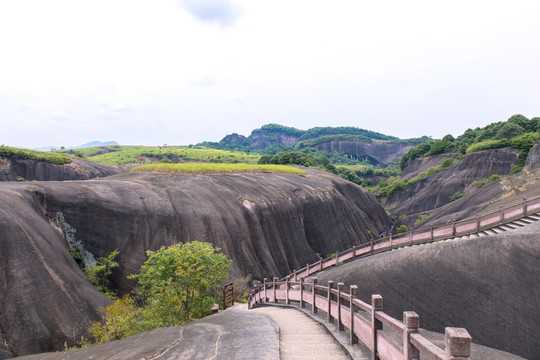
[(301, 337)]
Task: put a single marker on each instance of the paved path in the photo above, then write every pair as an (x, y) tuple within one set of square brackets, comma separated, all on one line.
[(301, 337)]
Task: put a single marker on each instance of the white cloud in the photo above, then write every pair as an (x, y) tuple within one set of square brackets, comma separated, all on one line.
[(222, 12)]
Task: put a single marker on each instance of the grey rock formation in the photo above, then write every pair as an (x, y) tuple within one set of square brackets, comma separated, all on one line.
[(488, 285), (377, 152), (78, 169), (269, 224)]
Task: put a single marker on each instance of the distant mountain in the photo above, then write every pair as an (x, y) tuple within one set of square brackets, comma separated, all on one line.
[(356, 143), (87, 145)]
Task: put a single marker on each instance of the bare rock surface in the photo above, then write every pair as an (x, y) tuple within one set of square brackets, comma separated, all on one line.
[(233, 334), (78, 169), (267, 223), (437, 190), (488, 285), (378, 152)]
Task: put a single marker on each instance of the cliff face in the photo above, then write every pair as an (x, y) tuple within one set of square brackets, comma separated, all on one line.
[(375, 152), (436, 190), (489, 285), (264, 138), (14, 169), (269, 224)]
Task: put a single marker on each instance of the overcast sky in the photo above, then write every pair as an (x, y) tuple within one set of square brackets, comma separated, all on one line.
[(183, 71)]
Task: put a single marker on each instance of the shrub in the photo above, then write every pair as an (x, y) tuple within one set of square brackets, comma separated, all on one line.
[(402, 229), (457, 195)]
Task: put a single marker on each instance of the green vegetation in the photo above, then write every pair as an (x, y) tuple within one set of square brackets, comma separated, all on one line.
[(421, 219), (517, 131), (402, 229), (176, 284), (25, 154), (205, 168), (99, 274), (457, 195), (328, 138), (493, 177), (343, 130), (117, 155)]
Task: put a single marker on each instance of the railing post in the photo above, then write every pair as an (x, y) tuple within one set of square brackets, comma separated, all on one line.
[(314, 294), (265, 291), (340, 287), (294, 274), (320, 264), (410, 236), (524, 206), (353, 339), (457, 344), (354, 251), (307, 270), (337, 258), (287, 291), (391, 241), (302, 304), (376, 305), (431, 233), (371, 245), (249, 301), (454, 227), (275, 287), (412, 323), (330, 318), (501, 213), (477, 222)]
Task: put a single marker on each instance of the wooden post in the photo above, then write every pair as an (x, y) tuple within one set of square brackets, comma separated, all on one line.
[(294, 274), (340, 287), (287, 291), (275, 287), (376, 305), (431, 233), (337, 258), (265, 291), (302, 304), (412, 323), (320, 264), (501, 213), (353, 339), (410, 236), (307, 270), (457, 344), (314, 294), (371, 246), (454, 227), (330, 318), (477, 222), (391, 241), (524, 206)]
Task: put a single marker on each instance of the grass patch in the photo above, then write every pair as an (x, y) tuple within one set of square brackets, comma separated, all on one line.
[(25, 154), (206, 168), (118, 155), (457, 195)]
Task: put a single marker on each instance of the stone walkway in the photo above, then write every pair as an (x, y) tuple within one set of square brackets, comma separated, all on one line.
[(300, 337)]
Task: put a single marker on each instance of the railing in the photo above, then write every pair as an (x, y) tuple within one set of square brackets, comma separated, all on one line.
[(385, 336), (424, 235)]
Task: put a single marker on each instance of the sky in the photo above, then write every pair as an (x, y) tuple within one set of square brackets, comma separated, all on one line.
[(179, 72)]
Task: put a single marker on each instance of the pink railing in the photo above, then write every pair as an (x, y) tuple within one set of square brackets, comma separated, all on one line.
[(424, 235), (385, 336)]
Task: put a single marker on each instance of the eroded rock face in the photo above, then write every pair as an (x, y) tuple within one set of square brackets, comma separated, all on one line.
[(377, 152), (269, 224), (489, 286), (437, 190), (16, 169)]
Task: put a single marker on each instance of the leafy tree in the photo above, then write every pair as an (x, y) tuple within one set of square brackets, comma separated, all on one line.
[(508, 131), (177, 282), (99, 274)]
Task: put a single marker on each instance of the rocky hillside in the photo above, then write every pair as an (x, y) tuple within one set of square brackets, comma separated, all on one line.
[(28, 170), (444, 187), (488, 285), (358, 144), (269, 224)]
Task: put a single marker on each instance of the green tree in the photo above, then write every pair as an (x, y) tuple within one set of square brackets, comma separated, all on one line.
[(177, 282), (99, 274), (509, 130)]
